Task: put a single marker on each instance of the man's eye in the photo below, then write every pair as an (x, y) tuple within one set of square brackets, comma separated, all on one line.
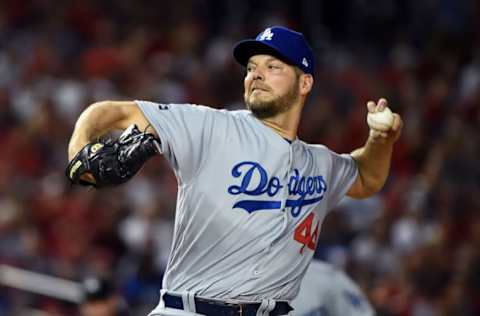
[(273, 67)]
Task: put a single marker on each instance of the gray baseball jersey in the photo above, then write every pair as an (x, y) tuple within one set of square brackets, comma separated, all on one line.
[(250, 203), (327, 291)]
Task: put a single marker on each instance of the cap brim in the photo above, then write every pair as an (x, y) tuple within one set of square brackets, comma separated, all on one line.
[(245, 49)]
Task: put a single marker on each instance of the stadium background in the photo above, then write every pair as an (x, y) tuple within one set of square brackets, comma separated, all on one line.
[(414, 248)]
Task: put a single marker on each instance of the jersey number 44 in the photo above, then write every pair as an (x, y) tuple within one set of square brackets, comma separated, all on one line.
[(303, 233)]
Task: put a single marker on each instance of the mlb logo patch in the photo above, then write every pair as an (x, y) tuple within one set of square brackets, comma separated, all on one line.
[(305, 62)]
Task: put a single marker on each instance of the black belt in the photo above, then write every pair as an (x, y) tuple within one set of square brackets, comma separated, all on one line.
[(221, 308)]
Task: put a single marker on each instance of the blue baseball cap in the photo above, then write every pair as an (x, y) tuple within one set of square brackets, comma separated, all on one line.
[(281, 42)]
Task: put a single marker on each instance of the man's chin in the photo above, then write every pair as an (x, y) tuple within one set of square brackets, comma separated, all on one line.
[(259, 101), (264, 113), (262, 110)]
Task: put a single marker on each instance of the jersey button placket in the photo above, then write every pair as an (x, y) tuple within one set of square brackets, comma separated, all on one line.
[(287, 175)]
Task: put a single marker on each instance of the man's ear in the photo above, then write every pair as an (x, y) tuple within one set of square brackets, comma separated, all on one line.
[(306, 83)]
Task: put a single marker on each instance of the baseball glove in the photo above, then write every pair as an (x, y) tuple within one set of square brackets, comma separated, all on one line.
[(113, 162)]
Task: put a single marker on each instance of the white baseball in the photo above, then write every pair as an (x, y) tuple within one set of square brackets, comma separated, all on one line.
[(382, 121)]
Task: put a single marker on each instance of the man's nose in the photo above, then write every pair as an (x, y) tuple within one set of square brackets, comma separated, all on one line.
[(258, 75)]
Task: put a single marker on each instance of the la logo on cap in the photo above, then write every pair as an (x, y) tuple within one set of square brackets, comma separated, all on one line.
[(266, 35)]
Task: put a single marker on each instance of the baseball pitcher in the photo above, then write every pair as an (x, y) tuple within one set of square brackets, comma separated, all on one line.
[(328, 291), (251, 195)]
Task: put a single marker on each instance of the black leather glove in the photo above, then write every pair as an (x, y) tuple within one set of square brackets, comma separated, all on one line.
[(113, 162)]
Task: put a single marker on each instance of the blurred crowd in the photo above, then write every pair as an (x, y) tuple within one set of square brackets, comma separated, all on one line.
[(414, 247)]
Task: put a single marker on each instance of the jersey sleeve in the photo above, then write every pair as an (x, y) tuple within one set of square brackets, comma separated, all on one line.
[(343, 173), (183, 132)]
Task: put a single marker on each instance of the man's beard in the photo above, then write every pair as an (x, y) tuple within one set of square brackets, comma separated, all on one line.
[(271, 108)]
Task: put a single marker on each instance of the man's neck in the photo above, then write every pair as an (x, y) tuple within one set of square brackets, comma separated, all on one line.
[(284, 124)]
